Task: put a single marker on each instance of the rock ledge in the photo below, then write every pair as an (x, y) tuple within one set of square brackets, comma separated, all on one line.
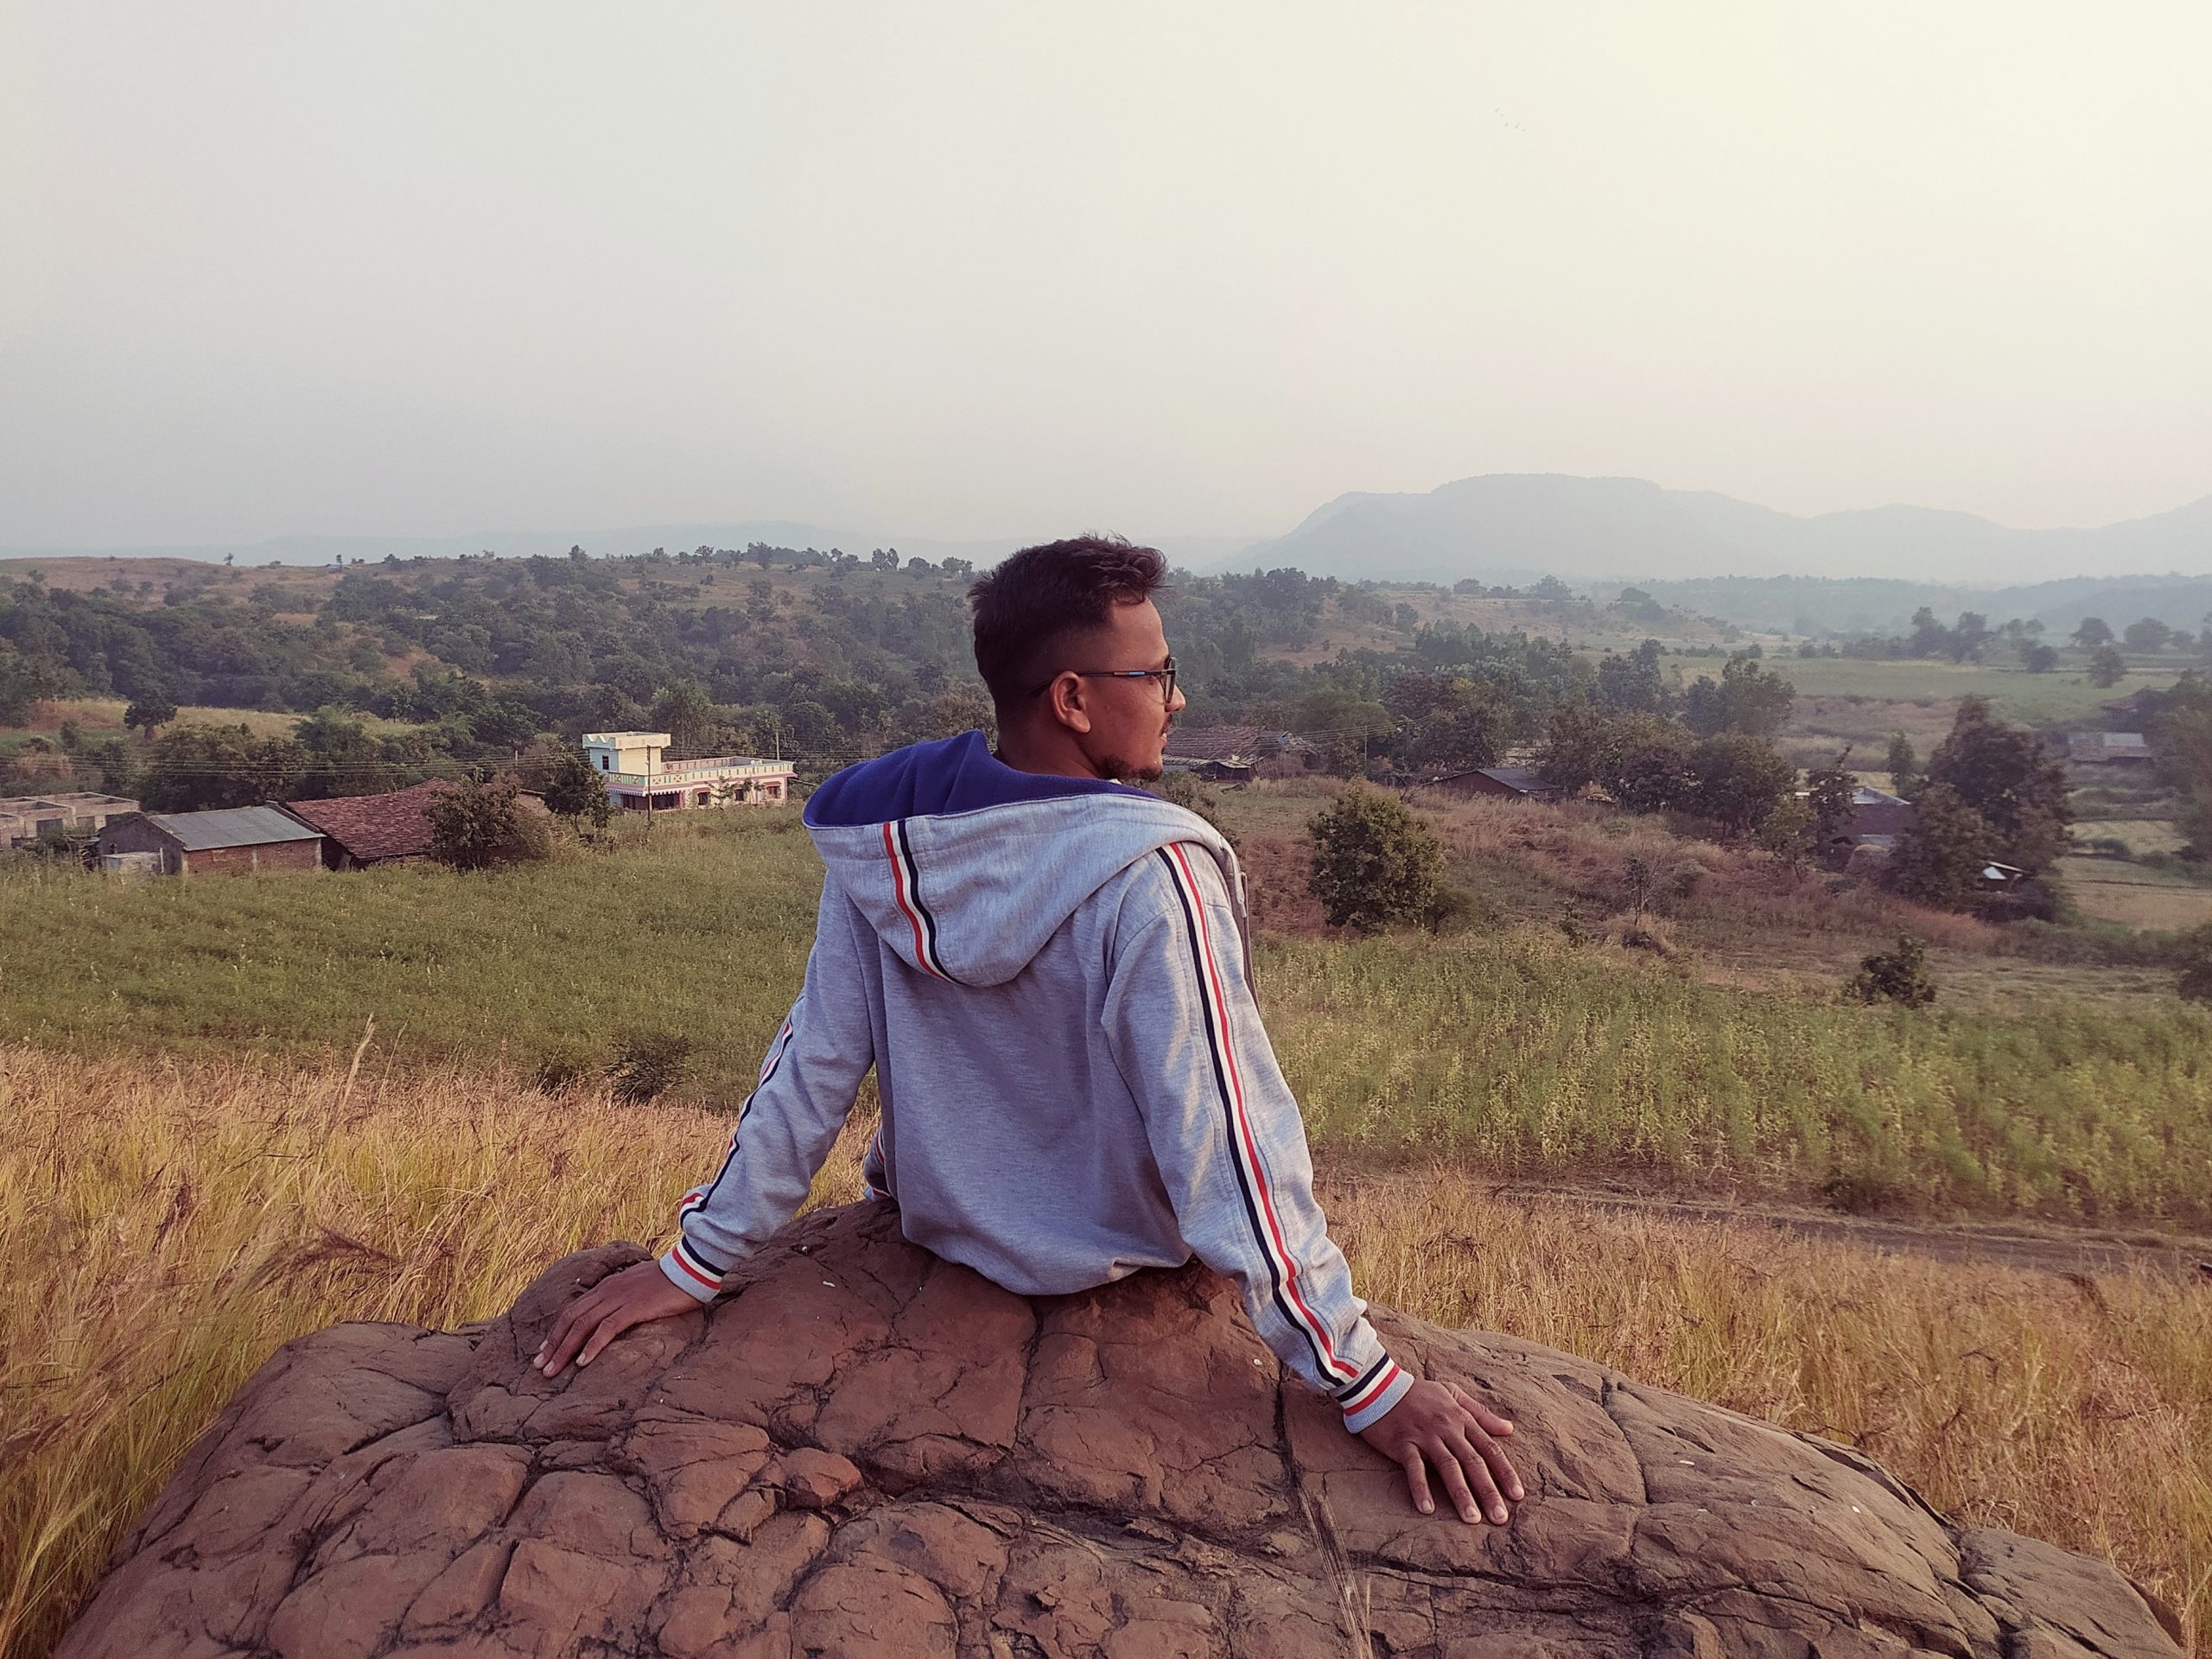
[(872, 1452)]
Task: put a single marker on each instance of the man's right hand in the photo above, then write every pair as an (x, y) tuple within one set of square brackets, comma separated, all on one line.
[(637, 1295), (1440, 1426)]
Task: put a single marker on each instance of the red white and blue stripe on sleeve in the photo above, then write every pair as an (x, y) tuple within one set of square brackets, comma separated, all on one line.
[(687, 1267), (1365, 1395)]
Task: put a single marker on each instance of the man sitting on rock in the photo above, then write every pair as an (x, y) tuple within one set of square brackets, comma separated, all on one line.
[(1048, 968)]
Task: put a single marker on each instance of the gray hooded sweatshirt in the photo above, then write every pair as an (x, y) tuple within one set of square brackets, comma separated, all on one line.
[(1052, 980)]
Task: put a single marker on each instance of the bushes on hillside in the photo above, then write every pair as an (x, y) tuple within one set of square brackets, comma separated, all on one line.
[(483, 826), (1751, 701), (1375, 863), (1899, 976), (1651, 765), (198, 768)]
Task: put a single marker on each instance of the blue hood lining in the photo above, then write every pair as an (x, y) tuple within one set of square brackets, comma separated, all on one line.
[(954, 774)]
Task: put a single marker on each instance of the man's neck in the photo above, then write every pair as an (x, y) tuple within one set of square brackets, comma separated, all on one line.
[(1049, 754)]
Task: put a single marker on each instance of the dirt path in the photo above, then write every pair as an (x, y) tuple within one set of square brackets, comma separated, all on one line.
[(2018, 1244)]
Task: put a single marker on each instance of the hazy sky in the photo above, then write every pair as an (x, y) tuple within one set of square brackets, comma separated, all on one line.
[(982, 270)]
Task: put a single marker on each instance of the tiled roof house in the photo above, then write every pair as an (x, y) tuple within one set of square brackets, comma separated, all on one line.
[(363, 829)]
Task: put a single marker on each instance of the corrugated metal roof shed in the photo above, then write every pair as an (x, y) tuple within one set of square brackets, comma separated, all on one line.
[(235, 826)]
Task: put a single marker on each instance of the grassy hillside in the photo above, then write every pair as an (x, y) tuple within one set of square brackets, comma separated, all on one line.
[(1504, 1045)]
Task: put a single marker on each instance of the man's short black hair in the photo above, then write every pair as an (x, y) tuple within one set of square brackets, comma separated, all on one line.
[(1027, 606)]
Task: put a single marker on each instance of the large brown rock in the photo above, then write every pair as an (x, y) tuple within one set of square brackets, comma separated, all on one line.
[(873, 1452)]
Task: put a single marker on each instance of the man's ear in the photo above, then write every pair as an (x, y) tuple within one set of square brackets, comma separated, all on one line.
[(1065, 699)]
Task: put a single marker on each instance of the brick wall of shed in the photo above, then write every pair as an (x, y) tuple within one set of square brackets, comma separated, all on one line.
[(137, 835), (243, 861)]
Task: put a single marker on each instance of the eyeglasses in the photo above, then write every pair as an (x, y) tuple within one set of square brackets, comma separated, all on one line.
[(1165, 676)]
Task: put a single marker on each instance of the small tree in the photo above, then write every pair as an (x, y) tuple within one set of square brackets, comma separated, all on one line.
[(1647, 767), (1373, 862), (1637, 875), (1899, 976), (481, 826), (1830, 799), (149, 711), (1738, 781), (2106, 665), (1902, 766), (575, 789), (1791, 834), (2094, 632), (1940, 856), (2149, 634), (2004, 773), (2181, 742)]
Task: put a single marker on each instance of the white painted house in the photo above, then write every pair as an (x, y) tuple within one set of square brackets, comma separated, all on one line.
[(639, 779)]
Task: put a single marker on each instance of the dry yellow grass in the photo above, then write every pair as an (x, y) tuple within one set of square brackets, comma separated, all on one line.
[(163, 1227)]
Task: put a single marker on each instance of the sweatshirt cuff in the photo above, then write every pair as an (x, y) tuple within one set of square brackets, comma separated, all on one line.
[(1365, 1402), (691, 1275)]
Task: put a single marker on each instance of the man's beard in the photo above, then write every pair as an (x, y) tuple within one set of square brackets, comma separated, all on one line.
[(1121, 772)]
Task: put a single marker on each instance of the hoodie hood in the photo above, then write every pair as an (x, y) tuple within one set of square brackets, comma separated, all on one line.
[(966, 867)]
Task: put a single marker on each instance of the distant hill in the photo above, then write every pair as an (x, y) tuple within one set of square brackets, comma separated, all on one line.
[(1503, 527)]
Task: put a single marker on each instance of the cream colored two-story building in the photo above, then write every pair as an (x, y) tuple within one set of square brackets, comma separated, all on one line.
[(638, 777)]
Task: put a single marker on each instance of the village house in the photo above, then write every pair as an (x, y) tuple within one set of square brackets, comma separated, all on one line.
[(70, 812), (2104, 748), (1509, 782), (360, 830), (638, 778), (1228, 754), (231, 841), (1878, 819)]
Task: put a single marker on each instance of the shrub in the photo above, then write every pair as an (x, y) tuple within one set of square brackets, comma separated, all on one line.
[(1899, 976), (564, 1066), (480, 826), (648, 1064), (1453, 909), (1373, 862), (1738, 781), (2195, 953)]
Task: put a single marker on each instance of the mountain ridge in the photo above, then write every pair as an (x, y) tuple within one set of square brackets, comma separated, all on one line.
[(1501, 525)]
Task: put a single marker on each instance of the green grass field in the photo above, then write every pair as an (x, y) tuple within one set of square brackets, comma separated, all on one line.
[(1506, 1046), (2031, 699), (700, 931), (103, 716)]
